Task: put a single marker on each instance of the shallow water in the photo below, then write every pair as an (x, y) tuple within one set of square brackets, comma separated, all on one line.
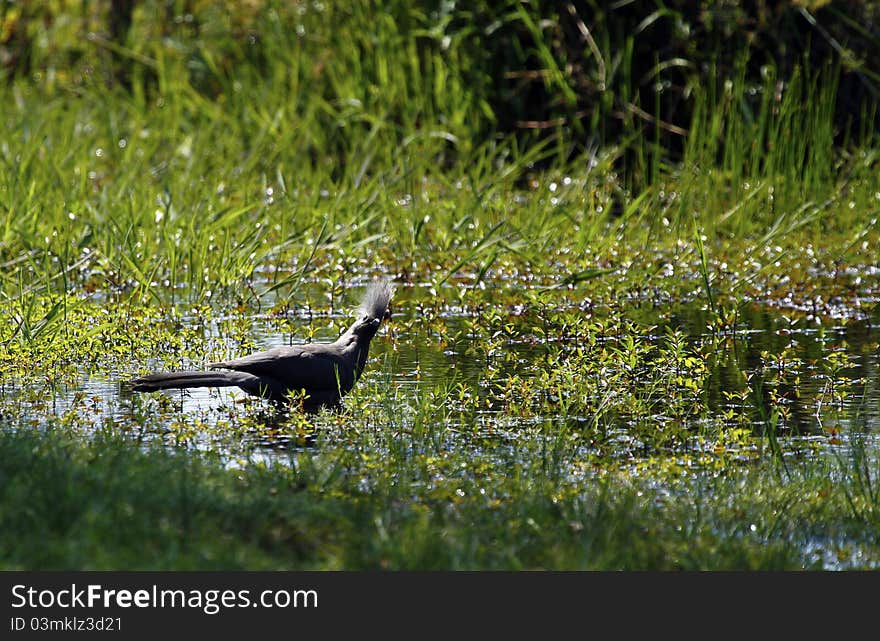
[(826, 410), (762, 341)]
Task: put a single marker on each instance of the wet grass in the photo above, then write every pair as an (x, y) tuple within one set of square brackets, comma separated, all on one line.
[(584, 369), (104, 502), (587, 443)]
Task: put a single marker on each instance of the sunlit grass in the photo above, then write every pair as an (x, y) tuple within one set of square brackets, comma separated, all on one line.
[(567, 381)]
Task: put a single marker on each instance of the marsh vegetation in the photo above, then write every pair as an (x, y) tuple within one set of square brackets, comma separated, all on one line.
[(613, 344)]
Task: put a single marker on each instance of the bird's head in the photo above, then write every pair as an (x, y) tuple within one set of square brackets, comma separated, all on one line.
[(374, 308)]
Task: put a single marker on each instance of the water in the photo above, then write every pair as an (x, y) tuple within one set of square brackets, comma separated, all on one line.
[(782, 360), (442, 384)]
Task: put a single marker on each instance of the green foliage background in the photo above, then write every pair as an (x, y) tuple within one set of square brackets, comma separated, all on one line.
[(368, 71)]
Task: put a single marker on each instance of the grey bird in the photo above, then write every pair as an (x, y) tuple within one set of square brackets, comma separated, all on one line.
[(325, 372)]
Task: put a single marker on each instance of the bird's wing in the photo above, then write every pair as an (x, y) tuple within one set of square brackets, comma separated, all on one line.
[(311, 366)]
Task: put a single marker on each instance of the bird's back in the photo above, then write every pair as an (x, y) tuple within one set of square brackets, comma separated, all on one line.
[(314, 366)]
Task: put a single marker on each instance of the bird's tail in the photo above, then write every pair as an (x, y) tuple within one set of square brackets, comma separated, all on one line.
[(181, 380)]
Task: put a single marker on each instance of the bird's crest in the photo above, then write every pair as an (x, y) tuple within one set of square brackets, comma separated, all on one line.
[(376, 299)]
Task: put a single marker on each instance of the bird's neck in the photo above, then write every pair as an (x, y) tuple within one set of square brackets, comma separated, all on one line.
[(355, 347)]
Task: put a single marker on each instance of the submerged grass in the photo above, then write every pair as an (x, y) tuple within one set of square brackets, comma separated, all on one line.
[(602, 448)]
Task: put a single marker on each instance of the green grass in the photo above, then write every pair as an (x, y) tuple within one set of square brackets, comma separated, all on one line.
[(611, 358), (107, 503), (371, 142)]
